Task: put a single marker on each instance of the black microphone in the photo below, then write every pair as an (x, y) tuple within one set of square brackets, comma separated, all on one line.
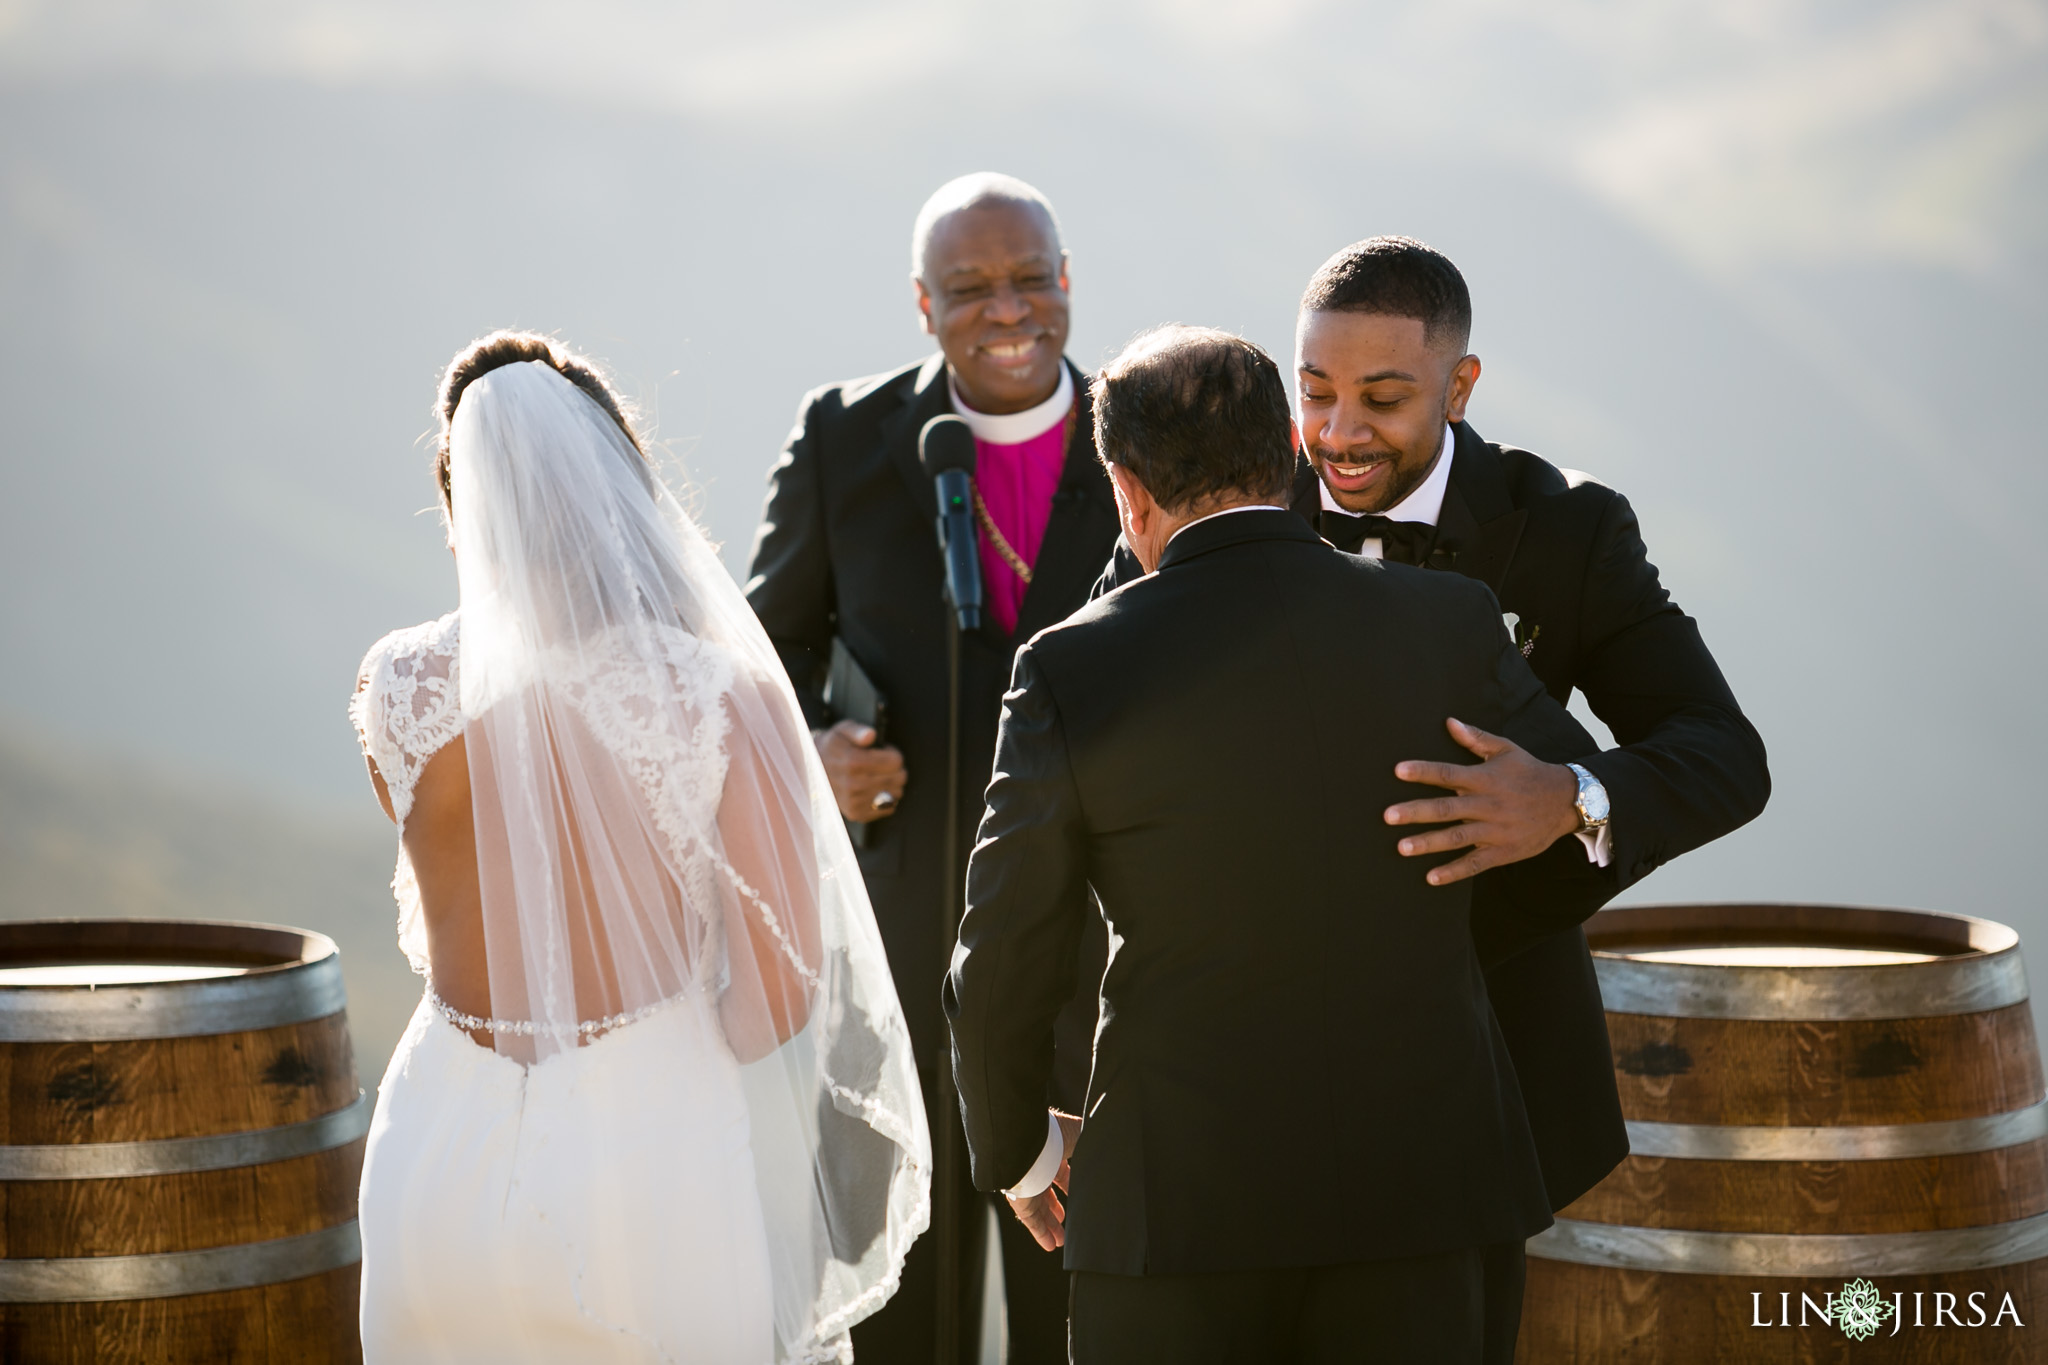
[(946, 450)]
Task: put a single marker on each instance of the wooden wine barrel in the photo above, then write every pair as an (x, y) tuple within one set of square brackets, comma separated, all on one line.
[(1815, 1096), (180, 1144)]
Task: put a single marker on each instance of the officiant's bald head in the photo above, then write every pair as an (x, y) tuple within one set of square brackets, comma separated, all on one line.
[(990, 274)]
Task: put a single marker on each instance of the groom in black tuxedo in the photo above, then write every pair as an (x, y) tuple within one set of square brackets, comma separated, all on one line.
[(1392, 470), (1303, 1135)]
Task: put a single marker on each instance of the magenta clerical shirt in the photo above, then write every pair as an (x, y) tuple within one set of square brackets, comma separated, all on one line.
[(1018, 460)]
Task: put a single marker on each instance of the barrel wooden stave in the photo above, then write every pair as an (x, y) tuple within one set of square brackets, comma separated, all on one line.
[(291, 1324), (1803, 1073), (146, 1089), (187, 1211), (1590, 1313), (1966, 1189)]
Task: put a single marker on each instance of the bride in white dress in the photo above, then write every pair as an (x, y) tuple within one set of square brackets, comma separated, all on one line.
[(658, 1102)]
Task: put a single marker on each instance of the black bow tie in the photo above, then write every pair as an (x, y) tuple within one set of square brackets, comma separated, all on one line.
[(1404, 542)]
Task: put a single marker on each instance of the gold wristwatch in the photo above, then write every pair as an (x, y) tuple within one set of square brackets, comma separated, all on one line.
[(1591, 801)]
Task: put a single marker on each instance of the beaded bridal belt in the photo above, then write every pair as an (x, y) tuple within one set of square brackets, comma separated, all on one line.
[(528, 1028)]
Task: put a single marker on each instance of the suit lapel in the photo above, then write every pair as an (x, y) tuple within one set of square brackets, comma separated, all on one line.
[(1080, 533), (1479, 526), (929, 397), (1306, 496)]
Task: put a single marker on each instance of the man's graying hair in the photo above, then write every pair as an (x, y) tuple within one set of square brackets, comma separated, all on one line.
[(1195, 413), (1396, 277), (973, 191)]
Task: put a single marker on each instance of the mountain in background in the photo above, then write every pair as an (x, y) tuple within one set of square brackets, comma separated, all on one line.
[(1776, 272), (83, 836)]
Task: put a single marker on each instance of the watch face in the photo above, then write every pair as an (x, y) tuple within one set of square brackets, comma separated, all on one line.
[(1592, 797), (1593, 801)]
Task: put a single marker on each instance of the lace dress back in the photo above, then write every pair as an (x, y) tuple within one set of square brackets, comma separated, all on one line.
[(698, 1105), (407, 706)]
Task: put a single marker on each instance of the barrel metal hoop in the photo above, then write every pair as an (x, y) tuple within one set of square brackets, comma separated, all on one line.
[(1684, 990), (167, 1274), (172, 1156), (1870, 1142), (1690, 1252), (265, 998)]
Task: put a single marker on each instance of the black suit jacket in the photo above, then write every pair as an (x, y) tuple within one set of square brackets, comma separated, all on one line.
[(1564, 554), (1297, 1064), (847, 546)]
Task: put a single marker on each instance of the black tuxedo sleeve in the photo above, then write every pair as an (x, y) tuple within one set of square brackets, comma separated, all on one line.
[(1516, 905), (1014, 966), (1691, 766), (789, 574)]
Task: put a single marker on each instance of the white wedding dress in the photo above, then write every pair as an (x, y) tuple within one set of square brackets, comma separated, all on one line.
[(597, 1206), (666, 889)]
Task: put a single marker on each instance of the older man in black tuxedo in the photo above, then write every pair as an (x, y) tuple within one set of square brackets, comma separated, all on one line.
[(1303, 1137), (1391, 469), (846, 549)]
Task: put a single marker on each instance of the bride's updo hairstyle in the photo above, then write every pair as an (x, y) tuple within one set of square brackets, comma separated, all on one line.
[(487, 353)]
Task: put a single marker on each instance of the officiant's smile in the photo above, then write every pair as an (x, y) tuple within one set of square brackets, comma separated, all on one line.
[(1376, 392)]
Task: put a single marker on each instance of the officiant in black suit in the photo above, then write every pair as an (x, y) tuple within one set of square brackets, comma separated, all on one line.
[(1303, 1138), (846, 548), (1393, 470)]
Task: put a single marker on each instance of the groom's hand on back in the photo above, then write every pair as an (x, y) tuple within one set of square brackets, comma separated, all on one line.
[(1510, 807)]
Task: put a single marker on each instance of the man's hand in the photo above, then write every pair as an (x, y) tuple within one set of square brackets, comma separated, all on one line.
[(1511, 807), (1043, 1215), (867, 781)]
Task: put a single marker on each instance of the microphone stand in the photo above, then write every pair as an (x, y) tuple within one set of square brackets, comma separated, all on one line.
[(946, 1133), (946, 451)]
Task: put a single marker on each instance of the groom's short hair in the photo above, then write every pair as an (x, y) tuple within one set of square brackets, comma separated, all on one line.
[(1396, 277), (1195, 413)]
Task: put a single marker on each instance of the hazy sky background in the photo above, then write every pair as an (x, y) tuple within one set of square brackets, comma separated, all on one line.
[(1774, 269)]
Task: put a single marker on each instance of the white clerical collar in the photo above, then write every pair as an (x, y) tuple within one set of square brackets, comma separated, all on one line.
[(1011, 428), (1425, 504)]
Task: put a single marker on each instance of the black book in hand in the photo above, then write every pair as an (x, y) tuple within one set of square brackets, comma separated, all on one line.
[(851, 695)]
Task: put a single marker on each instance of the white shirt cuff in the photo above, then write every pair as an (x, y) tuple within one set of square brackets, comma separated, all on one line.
[(1599, 845), (1046, 1167)]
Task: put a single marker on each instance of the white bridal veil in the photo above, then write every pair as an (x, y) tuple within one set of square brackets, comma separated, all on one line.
[(655, 831)]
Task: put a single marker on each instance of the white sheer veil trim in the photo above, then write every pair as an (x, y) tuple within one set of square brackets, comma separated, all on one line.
[(654, 830)]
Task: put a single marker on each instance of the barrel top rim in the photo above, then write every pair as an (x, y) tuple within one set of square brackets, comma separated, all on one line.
[(1985, 938), (315, 949)]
